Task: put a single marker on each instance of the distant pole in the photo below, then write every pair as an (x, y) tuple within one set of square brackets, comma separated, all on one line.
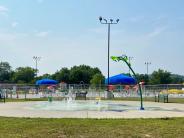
[(147, 67), (129, 59), (108, 22), (36, 59)]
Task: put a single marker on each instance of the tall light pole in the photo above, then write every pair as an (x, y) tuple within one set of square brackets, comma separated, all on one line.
[(147, 66), (36, 58), (129, 59), (108, 22)]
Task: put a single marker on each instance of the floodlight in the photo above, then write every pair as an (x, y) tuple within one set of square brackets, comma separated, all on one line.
[(117, 20), (105, 20), (100, 18)]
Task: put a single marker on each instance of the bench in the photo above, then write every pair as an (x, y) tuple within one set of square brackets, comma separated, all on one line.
[(81, 95), (162, 97), (2, 97)]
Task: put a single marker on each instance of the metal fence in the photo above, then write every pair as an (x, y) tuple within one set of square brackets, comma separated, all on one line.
[(32, 91)]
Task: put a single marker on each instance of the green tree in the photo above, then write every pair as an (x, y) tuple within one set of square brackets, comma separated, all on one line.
[(24, 75), (62, 75), (160, 77), (46, 76), (97, 79), (143, 78), (82, 73), (5, 72), (177, 79)]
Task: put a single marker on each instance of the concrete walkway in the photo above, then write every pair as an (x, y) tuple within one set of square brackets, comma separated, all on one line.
[(20, 109)]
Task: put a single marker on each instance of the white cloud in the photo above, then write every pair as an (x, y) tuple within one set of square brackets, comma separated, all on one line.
[(10, 37), (42, 34), (14, 24), (3, 9), (157, 31)]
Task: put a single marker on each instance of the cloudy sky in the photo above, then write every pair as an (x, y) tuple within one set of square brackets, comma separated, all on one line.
[(67, 32)]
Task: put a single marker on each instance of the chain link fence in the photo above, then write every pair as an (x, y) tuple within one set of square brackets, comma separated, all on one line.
[(15, 91)]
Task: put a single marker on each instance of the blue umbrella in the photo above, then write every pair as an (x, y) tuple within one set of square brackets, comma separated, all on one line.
[(46, 82), (120, 79)]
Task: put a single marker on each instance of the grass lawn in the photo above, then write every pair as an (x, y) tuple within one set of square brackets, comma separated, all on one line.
[(91, 128), (26, 100), (151, 99)]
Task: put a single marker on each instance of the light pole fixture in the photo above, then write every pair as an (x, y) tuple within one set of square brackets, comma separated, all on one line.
[(36, 59), (108, 22), (147, 66)]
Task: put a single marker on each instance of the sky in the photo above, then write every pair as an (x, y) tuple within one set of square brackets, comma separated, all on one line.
[(65, 33)]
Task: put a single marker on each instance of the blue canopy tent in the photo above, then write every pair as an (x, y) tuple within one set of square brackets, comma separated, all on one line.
[(120, 79), (46, 82)]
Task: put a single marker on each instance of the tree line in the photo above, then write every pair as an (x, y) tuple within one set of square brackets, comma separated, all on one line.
[(79, 74), (161, 77), (26, 75)]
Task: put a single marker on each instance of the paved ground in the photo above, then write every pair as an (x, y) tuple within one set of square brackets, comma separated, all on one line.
[(19, 109)]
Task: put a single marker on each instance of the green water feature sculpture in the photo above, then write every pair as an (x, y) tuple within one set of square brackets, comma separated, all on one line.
[(124, 58)]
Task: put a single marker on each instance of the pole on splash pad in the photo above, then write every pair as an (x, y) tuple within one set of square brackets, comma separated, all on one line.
[(124, 58)]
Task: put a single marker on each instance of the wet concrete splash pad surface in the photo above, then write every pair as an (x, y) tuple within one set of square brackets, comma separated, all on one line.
[(91, 109)]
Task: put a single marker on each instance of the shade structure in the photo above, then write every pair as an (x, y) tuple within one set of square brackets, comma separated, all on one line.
[(120, 79), (46, 82)]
